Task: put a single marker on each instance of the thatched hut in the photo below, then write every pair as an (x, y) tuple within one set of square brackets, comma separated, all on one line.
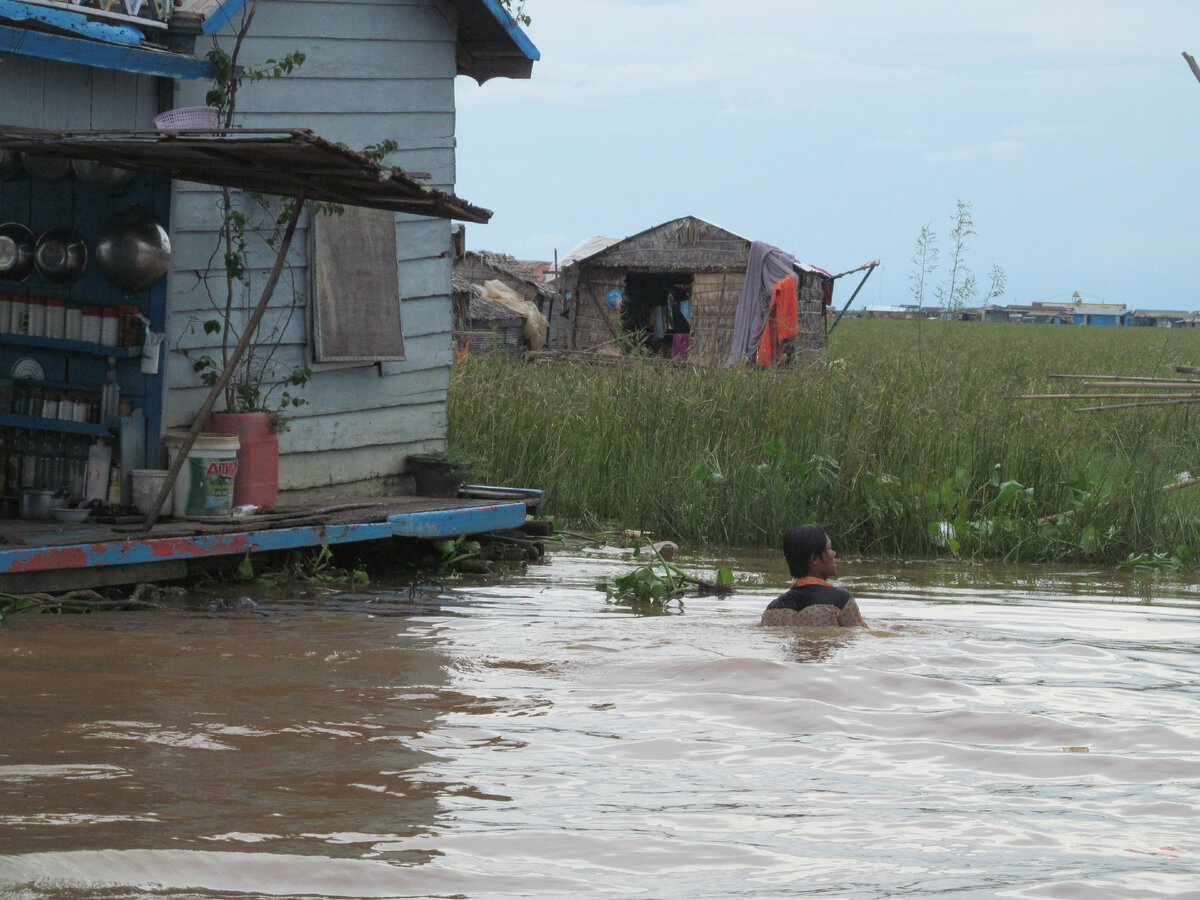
[(481, 323), (677, 289), (480, 266)]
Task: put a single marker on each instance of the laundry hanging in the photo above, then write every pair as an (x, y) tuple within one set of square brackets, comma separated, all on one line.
[(783, 322)]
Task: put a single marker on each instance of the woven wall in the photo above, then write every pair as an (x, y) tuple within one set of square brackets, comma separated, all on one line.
[(714, 304), (595, 323)]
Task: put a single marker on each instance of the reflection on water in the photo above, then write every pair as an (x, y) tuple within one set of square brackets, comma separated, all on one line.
[(997, 732)]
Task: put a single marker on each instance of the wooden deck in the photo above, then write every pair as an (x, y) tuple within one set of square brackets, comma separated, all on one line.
[(49, 556)]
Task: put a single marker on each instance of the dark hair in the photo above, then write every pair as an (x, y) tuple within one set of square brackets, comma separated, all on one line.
[(800, 544)]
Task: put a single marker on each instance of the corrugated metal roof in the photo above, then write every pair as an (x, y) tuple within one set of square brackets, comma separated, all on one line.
[(286, 163)]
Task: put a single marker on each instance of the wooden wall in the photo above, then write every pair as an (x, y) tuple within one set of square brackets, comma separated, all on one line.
[(714, 304), (375, 70), (45, 94)]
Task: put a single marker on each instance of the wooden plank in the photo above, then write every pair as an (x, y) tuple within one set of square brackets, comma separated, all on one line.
[(316, 23), (304, 96), (356, 290), (367, 428)]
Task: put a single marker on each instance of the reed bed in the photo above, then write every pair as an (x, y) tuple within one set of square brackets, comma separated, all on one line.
[(904, 439)]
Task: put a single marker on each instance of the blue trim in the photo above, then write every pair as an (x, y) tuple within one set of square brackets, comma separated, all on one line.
[(448, 522), (68, 20), (519, 37), (86, 52), (223, 16), (432, 524)]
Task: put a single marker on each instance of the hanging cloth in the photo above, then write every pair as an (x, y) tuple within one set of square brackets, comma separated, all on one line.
[(782, 322)]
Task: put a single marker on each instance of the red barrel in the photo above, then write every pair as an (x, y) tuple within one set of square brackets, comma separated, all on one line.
[(257, 481)]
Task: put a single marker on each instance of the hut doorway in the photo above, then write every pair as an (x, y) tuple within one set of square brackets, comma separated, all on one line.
[(657, 310)]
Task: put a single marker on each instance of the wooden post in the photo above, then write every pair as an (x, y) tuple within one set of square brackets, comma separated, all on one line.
[(218, 388)]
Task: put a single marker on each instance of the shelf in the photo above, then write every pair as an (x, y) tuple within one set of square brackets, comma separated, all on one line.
[(12, 420), (47, 343)]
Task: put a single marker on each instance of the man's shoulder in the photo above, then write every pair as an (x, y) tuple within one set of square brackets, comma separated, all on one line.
[(811, 595)]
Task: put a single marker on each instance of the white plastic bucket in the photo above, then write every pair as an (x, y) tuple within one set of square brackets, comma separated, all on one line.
[(205, 483), (146, 485)]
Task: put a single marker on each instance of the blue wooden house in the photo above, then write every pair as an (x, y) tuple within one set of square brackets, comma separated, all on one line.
[(375, 71)]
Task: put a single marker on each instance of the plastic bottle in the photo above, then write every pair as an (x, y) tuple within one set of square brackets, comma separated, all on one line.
[(110, 394), (99, 466)]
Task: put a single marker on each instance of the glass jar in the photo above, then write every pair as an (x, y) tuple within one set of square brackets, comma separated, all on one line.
[(73, 330), (109, 322), (56, 318), (37, 317)]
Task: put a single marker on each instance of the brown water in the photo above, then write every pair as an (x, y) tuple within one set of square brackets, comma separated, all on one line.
[(998, 733)]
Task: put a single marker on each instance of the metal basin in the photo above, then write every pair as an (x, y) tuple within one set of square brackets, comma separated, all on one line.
[(60, 255), (133, 250), (98, 175), (50, 168), (10, 165), (16, 251)]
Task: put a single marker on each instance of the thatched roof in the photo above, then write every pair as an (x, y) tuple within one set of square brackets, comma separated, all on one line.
[(509, 267)]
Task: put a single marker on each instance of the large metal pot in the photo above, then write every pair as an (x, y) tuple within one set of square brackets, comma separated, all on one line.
[(60, 255), (133, 250), (51, 168), (16, 251), (98, 175)]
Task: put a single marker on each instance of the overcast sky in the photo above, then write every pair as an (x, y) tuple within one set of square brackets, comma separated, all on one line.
[(836, 130)]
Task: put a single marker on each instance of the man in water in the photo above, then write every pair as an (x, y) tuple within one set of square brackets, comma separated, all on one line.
[(812, 600)]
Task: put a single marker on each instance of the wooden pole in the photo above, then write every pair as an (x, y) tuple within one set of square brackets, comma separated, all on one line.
[(1192, 64), (219, 386), (1166, 398), (1181, 402)]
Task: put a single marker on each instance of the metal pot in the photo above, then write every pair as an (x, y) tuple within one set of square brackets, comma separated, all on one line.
[(51, 168), (98, 175), (10, 165), (133, 250), (16, 251), (60, 255), (34, 504)]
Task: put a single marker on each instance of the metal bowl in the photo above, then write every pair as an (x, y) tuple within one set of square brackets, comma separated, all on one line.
[(98, 175), (60, 255), (133, 250), (50, 168), (10, 165), (16, 251)]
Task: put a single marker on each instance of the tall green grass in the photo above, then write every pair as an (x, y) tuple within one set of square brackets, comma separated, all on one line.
[(901, 427)]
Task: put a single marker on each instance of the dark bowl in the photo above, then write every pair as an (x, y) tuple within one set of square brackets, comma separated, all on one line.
[(10, 165), (98, 175), (50, 168), (60, 255), (133, 250), (16, 251)]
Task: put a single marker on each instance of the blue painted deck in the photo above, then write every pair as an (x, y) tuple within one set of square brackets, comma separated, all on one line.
[(48, 548)]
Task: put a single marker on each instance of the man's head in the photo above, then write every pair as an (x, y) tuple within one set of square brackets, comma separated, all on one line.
[(808, 551)]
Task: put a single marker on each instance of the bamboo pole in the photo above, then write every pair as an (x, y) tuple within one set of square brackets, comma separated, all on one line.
[(1148, 379), (1181, 402), (1166, 386), (1164, 397), (218, 387)]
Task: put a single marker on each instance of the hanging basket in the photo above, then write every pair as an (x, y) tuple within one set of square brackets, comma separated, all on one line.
[(188, 118)]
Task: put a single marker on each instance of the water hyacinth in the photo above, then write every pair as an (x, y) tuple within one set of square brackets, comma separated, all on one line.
[(902, 440)]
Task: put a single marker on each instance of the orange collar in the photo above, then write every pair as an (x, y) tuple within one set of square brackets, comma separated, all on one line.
[(808, 579)]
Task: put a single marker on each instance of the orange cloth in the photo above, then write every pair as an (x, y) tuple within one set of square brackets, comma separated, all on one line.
[(810, 579), (783, 321)]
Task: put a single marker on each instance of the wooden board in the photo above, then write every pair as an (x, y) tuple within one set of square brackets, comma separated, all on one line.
[(357, 290)]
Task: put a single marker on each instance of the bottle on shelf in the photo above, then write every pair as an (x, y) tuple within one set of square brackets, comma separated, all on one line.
[(29, 460), (99, 466), (110, 394)]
